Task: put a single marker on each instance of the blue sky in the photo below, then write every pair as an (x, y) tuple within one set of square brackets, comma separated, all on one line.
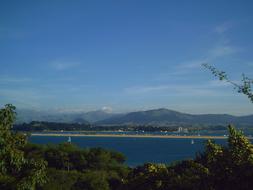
[(124, 55)]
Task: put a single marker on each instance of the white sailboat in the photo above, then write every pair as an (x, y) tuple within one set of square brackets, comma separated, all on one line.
[(192, 142), (69, 139)]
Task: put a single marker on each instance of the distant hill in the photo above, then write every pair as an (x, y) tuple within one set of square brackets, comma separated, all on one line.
[(165, 116), (26, 116), (151, 117), (94, 116)]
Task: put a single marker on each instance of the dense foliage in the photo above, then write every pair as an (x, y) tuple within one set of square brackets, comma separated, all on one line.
[(70, 167), (23, 166), (17, 171)]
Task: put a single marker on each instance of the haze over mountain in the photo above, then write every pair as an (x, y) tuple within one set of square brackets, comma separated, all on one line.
[(150, 117), (165, 116), (63, 117)]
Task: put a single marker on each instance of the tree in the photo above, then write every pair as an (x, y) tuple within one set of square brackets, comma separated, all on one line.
[(17, 171), (92, 180), (244, 88), (147, 177), (230, 167)]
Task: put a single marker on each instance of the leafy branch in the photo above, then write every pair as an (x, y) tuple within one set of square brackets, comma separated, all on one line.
[(245, 87)]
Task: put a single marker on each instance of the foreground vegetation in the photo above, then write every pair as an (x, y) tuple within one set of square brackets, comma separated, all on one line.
[(27, 166)]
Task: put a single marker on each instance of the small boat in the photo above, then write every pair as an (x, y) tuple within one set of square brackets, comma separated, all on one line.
[(192, 142), (69, 140)]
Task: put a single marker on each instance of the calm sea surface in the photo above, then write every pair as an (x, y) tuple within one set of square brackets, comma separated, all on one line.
[(137, 150)]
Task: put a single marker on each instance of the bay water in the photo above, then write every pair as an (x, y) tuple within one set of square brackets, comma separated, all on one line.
[(137, 150)]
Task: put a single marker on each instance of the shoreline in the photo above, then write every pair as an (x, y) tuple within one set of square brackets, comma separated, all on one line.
[(132, 136)]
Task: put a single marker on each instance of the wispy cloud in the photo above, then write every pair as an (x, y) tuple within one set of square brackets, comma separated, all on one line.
[(215, 52), (250, 64), (221, 51), (11, 79), (207, 89), (145, 89), (193, 64), (218, 83), (24, 93), (221, 48), (224, 27), (62, 65), (21, 98), (188, 66)]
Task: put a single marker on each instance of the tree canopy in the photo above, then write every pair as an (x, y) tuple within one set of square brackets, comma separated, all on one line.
[(17, 171)]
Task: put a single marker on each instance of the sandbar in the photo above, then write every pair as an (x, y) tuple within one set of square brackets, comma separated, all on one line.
[(132, 136)]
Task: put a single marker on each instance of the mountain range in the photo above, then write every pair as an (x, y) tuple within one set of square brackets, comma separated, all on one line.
[(26, 116), (150, 117), (165, 116)]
